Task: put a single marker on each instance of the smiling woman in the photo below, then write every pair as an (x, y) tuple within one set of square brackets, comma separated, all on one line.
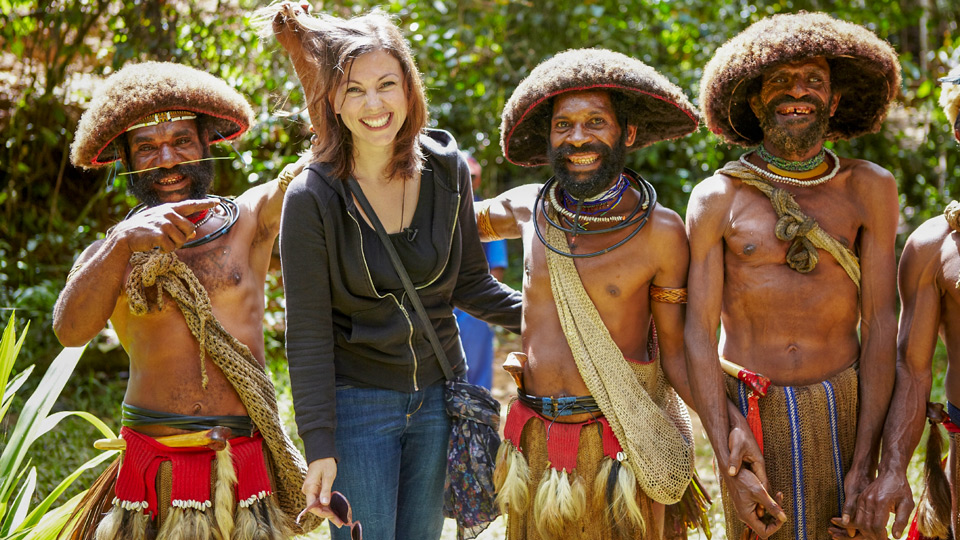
[(372, 101), (367, 378)]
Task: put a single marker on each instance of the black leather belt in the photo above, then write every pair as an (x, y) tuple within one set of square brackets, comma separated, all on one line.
[(560, 406)]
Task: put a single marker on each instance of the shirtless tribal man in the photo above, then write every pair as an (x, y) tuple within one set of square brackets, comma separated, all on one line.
[(929, 275), (181, 279), (620, 444), (793, 285)]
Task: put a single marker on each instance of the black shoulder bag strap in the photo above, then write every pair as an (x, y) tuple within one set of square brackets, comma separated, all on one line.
[(404, 277)]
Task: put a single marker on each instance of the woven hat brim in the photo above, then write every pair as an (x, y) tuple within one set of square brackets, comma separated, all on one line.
[(673, 124), (864, 69), (141, 89), (658, 108)]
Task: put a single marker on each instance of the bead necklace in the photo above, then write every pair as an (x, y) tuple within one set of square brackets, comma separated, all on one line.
[(595, 212), (204, 217), (200, 218), (598, 204), (792, 166), (635, 219), (792, 181)]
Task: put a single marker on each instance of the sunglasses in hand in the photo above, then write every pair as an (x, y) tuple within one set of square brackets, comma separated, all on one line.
[(339, 507)]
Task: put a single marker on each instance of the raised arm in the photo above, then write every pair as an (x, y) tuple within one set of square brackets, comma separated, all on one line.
[(920, 298), (95, 282), (877, 190), (502, 216), (267, 199)]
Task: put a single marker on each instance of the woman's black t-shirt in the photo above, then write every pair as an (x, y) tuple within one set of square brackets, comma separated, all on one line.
[(413, 245)]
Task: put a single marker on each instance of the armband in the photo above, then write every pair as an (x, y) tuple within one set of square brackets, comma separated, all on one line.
[(668, 295), (286, 175), (487, 232)]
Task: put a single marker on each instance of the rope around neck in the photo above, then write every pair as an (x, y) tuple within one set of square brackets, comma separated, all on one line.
[(795, 226)]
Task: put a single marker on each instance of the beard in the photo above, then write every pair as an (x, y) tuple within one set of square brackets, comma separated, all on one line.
[(578, 186), (200, 175), (790, 141)]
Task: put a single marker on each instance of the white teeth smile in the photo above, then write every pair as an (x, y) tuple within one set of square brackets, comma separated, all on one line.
[(583, 160), (796, 110), (377, 122)]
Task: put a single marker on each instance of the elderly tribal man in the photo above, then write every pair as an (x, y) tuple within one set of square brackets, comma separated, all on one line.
[(598, 440), (929, 277), (804, 291), (181, 280)]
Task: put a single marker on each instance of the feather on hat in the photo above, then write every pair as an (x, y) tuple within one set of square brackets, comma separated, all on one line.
[(139, 90), (863, 68), (657, 107)]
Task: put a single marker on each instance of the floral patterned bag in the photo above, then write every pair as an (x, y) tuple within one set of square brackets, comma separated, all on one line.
[(469, 495)]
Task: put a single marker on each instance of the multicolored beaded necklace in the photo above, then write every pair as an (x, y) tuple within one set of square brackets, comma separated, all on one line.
[(795, 179), (572, 222), (592, 209)]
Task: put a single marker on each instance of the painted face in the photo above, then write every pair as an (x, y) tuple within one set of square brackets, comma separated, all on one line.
[(163, 148), (587, 147), (795, 104), (372, 100)]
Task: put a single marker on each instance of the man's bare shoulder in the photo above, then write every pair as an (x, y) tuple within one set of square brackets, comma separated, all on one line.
[(868, 177), (667, 225), (712, 196), (927, 240), (88, 253), (255, 197)]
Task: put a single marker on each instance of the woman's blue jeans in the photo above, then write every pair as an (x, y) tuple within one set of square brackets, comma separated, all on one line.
[(392, 464)]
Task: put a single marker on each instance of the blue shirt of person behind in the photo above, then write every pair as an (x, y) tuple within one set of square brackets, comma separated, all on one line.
[(476, 336)]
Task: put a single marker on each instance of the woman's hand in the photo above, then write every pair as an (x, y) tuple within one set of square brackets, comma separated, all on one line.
[(317, 486)]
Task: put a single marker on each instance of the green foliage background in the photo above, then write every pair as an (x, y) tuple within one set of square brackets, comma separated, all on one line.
[(472, 54)]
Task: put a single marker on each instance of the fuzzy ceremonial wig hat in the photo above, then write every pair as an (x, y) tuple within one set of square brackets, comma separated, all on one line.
[(162, 91), (656, 106), (863, 68), (950, 98)]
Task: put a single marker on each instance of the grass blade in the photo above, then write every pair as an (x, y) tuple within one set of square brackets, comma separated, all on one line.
[(20, 505), (36, 515), (34, 411), (51, 422), (13, 385)]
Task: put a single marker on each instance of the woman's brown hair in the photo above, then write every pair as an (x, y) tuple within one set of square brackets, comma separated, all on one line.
[(323, 49)]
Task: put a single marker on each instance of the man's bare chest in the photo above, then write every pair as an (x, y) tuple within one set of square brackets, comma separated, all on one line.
[(614, 276), (755, 232)]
